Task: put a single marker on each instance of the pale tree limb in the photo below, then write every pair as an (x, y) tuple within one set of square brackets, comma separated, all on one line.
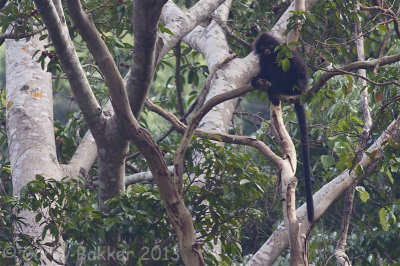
[(31, 141), (206, 87), (231, 74), (327, 195), (180, 24), (297, 242), (144, 176), (178, 81), (83, 158)]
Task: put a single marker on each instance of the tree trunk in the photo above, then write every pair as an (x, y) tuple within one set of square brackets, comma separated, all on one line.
[(30, 126)]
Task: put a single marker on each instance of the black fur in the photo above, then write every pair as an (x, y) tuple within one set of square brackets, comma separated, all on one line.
[(289, 83)]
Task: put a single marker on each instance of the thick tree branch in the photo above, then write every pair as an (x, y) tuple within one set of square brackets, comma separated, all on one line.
[(102, 56), (144, 43), (145, 19), (69, 60), (182, 23), (289, 183), (83, 158)]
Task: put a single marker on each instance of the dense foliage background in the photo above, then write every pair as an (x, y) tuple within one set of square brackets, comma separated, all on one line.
[(241, 186)]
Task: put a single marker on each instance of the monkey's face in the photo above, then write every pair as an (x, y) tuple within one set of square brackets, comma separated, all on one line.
[(266, 49), (265, 44), (267, 52)]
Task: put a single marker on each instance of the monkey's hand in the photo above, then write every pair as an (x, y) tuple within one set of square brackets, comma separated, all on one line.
[(254, 82), (260, 83)]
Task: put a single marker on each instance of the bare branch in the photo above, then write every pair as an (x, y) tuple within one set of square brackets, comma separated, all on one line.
[(178, 81), (218, 136), (352, 66), (20, 35), (143, 177), (230, 32), (387, 12)]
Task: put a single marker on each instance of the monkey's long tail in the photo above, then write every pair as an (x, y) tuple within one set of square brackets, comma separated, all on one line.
[(301, 117)]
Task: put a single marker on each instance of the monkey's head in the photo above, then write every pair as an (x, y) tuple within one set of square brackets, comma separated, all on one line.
[(265, 44)]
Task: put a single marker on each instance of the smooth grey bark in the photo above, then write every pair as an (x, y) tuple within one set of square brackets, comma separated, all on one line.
[(30, 127)]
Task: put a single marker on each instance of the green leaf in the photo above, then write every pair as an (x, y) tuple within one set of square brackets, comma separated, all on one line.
[(3, 98), (382, 27), (43, 36), (383, 219), (364, 195), (57, 82), (359, 170), (164, 29), (327, 160), (285, 64), (38, 217), (389, 174)]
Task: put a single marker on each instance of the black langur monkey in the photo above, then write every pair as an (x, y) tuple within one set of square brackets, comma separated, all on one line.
[(284, 85)]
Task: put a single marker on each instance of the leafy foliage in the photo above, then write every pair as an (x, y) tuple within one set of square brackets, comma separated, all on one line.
[(237, 200)]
